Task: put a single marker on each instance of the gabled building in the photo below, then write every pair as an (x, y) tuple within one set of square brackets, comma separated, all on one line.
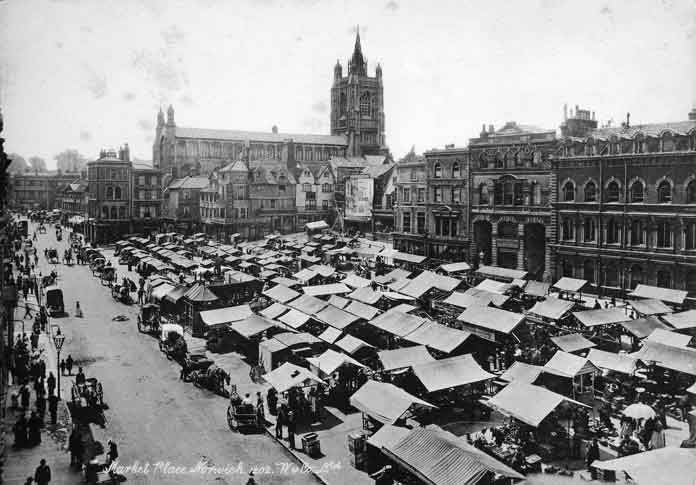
[(410, 212), (181, 203), (74, 198), (314, 193)]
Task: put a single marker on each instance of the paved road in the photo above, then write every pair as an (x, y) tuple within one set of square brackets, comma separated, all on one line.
[(153, 416)]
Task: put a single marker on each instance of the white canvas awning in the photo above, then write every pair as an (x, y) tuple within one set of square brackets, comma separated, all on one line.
[(664, 294)]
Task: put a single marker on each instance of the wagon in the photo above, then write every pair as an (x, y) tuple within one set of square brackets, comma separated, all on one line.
[(240, 416), (54, 301), (149, 319)]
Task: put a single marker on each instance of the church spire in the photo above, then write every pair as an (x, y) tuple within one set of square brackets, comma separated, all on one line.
[(357, 62)]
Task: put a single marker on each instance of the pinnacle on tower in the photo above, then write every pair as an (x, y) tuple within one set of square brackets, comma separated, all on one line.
[(357, 62)]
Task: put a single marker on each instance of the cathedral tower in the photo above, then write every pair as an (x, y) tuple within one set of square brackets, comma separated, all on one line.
[(357, 106)]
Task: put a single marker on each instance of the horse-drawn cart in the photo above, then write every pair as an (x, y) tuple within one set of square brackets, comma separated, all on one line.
[(214, 379), (241, 416), (87, 403), (149, 319), (52, 255), (121, 293)]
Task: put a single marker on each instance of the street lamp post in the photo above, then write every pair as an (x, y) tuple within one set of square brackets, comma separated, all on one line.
[(58, 339)]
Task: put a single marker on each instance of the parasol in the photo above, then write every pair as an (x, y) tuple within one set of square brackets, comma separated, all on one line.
[(639, 411)]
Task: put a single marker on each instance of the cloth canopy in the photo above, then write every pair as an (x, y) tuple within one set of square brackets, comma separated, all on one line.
[(274, 311), (351, 345), (552, 308), (455, 267), (642, 327), (161, 291), (316, 225), (675, 358), (325, 290), (650, 307), (663, 294), (397, 323), (385, 402), (451, 372), (366, 295), (176, 294), (621, 363), (681, 320), (409, 258), (338, 301), (290, 375), (669, 465), (366, 312), (308, 304), (355, 281), (493, 286), (322, 270), (668, 337), (572, 342), (252, 326), (528, 403), (225, 315), (438, 337), (569, 365), (522, 372), (604, 316), (462, 300), (294, 318), (392, 295), (572, 285), (305, 275), (536, 288), (491, 318), (387, 436), (336, 317), (200, 293), (427, 280), (501, 273), (289, 282), (486, 297), (281, 293), (330, 335), (329, 362), (404, 357)]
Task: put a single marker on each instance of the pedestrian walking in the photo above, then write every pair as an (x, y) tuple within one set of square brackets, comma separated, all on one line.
[(69, 364), (20, 432), (41, 408), (62, 367), (51, 383), (80, 378), (42, 475), (34, 427), (140, 295), (280, 421), (24, 397), (53, 408), (291, 429), (27, 309), (78, 310)]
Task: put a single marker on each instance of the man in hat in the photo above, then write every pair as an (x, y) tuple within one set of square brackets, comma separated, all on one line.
[(42, 475), (53, 408)]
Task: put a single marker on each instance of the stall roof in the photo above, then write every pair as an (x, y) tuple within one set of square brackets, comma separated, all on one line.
[(569, 365), (305, 275), (692, 389), (397, 323), (455, 267), (669, 465), (200, 293), (161, 291), (604, 316), (621, 363), (290, 339), (336, 317), (325, 290), (438, 337), (572, 342), (522, 372), (398, 285), (493, 286), (650, 307), (552, 308), (462, 300), (362, 310), (528, 403), (404, 357), (676, 358), (451, 372), (274, 311), (387, 436), (366, 295), (267, 274), (252, 325), (427, 280), (491, 318), (289, 282), (355, 281), (294, 318), (681, 320), (487, 297), (409, 258), (330, 361), (572, 285), (398, 274), (668, 337), (330, 335), (290, 375), (403, 307), (338, 301), (323, 270), (281, 293), (662, 294), (351, 345), (308, 304), (505, 273), (225, 315), (385, 402), (176, 294), (642, 327), (392, 295), (316, 225)]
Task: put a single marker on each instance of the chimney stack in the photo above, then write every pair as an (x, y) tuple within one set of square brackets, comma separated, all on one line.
[(490, 129), (628, 120), (565, 112), (274, 130)]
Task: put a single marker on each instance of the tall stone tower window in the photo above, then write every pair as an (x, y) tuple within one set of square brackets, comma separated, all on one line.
[(365, 104)]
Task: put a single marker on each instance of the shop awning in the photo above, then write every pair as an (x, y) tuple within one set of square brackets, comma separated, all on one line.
[(668, 337), (329, 362), (409, 258), (351, 345), (404, 357), (455, 267), (572, 285), (330, 335), (552, 308), (397, 323), (604, 316), (281, 293), (675, 358), (308, 304), (491, 318), (366, 295), (650, 307), (294, 318), (336, 317), (225, 315), (522, 372), (681, 320), (291, 339), (325, 290), (385, 402), (355, 281), (438, 337), (621, 363), (569, 365), (362, 310), (536, 288), (451, 372), (338, 301), (669, 465), (252, 326), (572, 342), (274, 311), (643, 327), (528, 403), (501, 273), (663, 294), (290, 375)]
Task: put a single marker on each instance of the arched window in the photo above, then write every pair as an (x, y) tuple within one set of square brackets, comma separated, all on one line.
[(589, 229), (437, 170), (588, 271), (664, 192), (121, 212), (117, 193), (613, 192), (569, 192), (342, 104), (455, 170), (664, 235), (613, 235), (590, 192), (365, 106), (691, 192), (109, 192), (508, 193), (483, 194), (567, 233), (664, 279), (637, 192), (114, 213)]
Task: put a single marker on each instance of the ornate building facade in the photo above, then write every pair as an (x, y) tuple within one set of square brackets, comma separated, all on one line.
[(410, 210), (511, 183), (625, 204), (357, 106)]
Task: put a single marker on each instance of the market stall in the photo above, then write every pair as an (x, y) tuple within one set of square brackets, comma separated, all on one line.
[(383, 403)]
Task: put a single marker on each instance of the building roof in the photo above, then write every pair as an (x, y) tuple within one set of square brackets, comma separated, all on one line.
[(451, 372), (188, 183), (648, 129), (376, 171), (269, 137), (572, 342)]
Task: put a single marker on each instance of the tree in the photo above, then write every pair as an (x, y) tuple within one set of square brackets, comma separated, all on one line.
[(70, 161), (37, 164), (18, 165)]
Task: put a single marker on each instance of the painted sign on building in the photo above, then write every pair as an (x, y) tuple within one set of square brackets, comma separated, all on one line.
[(359, 194)]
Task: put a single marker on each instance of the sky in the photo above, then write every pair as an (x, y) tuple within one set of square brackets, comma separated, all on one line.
[(91, 74)]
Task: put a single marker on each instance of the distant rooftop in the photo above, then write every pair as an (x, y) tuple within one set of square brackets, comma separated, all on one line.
[(268, 137)]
